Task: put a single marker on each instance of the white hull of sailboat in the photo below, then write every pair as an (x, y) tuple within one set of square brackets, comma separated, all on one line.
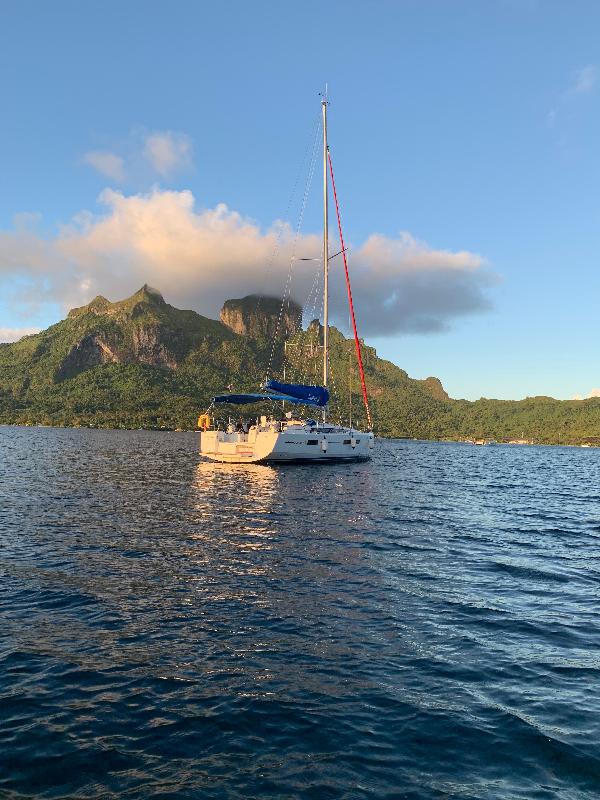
[(299, 444)]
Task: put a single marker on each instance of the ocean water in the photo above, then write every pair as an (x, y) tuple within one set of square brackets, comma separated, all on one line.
[(425, 625)]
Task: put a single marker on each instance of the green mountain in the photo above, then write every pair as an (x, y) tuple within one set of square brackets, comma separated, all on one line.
[(143, 363)]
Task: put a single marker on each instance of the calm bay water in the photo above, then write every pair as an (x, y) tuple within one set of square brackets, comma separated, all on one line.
[(422, 626)]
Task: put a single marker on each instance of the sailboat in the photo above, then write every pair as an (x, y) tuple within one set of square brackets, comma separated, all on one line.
[(294, 439)]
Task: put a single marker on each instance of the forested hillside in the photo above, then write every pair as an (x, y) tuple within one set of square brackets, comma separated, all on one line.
[(143, 363)]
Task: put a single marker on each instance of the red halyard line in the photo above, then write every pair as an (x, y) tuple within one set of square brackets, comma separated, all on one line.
[(351, 304)]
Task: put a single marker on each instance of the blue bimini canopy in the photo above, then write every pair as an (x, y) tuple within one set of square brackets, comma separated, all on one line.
[(310, 395), (244, 399)]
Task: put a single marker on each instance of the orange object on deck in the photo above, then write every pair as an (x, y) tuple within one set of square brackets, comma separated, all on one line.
[(204, 422)]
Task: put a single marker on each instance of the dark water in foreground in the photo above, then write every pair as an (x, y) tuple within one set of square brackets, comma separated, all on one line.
[(422, 626)]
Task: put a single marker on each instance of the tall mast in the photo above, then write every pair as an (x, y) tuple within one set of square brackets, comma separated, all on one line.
[(325, 253)]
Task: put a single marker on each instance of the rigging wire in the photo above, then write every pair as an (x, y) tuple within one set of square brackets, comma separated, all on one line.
[(309, 366), (311, 302), (270, 261), (350, 302), (286, 294)]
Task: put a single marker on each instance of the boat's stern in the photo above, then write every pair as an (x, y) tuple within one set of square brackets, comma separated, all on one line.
[(237, 447)]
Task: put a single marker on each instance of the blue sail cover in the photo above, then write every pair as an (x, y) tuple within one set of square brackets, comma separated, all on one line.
[(311, 395), (244, 399)]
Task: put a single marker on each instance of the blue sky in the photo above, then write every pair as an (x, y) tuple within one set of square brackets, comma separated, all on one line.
[(473, 127)]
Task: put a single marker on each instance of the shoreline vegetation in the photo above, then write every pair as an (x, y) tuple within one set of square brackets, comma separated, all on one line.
[(141, 363), (593, 442)]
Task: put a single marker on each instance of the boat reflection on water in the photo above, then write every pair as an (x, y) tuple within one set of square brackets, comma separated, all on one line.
[(236, 499), (275, 572), (256, 478), (250, 507)]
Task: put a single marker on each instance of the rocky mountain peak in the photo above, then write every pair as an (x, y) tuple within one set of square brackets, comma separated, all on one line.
[(258, 317), (148, 294), (435, 388), (98, 305), (145, 297)]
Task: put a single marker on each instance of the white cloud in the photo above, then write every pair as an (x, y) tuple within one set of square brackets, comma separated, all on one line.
[(108, 164), (584, 80), (26, 219), (199, 258), (143, 156), (403, 284), (593, 393), (14, 334), (168, 152)]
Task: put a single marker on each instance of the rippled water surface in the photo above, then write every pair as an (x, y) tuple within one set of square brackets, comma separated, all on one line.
[(421, 626)]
